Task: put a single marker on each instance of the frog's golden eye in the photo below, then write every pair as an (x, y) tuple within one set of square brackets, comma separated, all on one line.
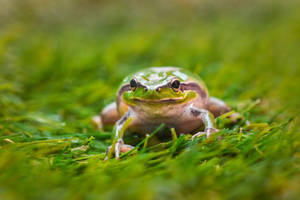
[(133, 84), (175, 84)]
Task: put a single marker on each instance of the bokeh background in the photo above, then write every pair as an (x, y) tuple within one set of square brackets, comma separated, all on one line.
[(62, 61)]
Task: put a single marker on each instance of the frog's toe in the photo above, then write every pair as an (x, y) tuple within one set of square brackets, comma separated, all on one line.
[(120, 147), (210, 131), (124, 148), (207, 132), (97, 122), (199, 134)]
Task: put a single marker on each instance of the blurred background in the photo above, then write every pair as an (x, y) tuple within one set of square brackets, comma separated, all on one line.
[(243, 50), (61, 62)]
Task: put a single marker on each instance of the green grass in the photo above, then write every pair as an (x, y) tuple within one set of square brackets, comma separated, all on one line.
[(61, 62)]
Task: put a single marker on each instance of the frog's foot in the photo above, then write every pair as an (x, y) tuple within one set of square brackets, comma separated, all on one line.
[(207, 132), (120, 147), (97, 122)]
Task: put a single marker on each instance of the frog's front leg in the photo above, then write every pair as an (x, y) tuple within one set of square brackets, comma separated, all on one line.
[(118, 143), (207, 118)]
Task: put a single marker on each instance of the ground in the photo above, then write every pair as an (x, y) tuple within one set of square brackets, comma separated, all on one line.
[(61, 62)]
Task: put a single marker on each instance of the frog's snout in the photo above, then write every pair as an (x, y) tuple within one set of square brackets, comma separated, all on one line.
[(151, 93), (152, 90)]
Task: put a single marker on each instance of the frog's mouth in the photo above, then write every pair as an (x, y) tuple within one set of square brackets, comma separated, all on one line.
[(188, 96), (163, 100)]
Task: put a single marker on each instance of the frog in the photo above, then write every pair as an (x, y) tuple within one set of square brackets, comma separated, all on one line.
[(165, 95)]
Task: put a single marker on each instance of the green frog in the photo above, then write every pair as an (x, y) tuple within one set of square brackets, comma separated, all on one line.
[(161, 95)]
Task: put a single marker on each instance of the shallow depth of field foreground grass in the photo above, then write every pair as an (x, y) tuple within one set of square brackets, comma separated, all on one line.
[(61, 62)]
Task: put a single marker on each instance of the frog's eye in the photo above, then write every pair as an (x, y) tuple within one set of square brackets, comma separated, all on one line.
[(175, 84), (133, 84)]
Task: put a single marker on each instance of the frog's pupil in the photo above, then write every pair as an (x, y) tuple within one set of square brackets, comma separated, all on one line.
[(133, 83), (176, 84)]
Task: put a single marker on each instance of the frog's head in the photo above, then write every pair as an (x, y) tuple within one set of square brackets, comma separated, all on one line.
[(161, 85)]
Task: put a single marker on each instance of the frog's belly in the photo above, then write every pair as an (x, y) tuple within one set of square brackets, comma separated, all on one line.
[(177, 116), (182, 126)]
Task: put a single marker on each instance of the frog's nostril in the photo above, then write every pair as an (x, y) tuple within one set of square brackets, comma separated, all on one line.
[(158, 89), (145, 89)]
